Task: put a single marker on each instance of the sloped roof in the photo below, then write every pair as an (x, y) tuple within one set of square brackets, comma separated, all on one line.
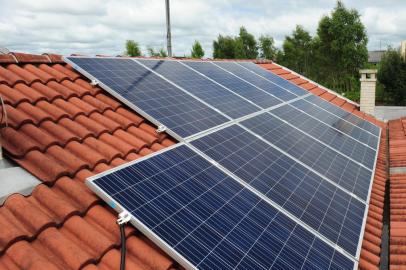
[(397, 147), (63, 130)]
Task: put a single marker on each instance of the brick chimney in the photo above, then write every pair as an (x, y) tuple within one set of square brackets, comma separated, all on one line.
[(368, 88)]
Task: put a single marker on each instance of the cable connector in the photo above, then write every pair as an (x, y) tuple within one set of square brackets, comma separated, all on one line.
[(123, 218)]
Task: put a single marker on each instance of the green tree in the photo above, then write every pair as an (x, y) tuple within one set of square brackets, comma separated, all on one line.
[(244, 46), (197, 50), (132, 48), (153, 53), (392, 75), (297, 51), (224, 47), (341, 47), (247, 42), (267, 49)]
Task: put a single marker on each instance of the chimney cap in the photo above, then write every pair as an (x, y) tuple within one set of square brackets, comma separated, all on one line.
[(368, 71)]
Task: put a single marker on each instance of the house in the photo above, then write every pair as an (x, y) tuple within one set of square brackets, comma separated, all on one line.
[(62, 129)]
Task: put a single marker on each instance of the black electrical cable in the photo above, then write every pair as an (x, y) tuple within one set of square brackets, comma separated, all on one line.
[(123, 249)]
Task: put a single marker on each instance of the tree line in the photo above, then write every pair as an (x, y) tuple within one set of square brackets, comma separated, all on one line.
[(332, 57)]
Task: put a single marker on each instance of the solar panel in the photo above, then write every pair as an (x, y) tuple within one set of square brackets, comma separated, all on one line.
[(273, 179), (203, 88), (198, 214), (334, 138), (324, 160), (273, 78), (337, 122), (347, 116), (234, 83), (153, 96), (327, 209), (266, 85)]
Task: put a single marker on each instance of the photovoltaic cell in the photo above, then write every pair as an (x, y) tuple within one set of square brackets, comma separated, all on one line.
[(162, 101), (234, 83), (274, 78), (267, 86), (327, 134), (322, 206), (347, 116), (202, 214), (336, 167), (198, 85), (337, 122)]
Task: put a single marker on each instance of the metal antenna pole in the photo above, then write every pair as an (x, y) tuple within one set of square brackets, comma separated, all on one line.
[(168, 29)]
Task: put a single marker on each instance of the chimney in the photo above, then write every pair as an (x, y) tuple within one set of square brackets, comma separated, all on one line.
[(368, 88)]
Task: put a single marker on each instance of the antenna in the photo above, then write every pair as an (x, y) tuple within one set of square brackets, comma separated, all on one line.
[(168, 29)]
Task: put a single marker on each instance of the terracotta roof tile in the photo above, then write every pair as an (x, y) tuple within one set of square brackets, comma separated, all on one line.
[(28, 77), (54, 73), (44, 76), (9, 77), (46, 91), (67, 71), (31, 58), (11, 96)]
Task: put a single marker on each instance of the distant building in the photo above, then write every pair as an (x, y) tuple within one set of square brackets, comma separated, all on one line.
[(375, 57)]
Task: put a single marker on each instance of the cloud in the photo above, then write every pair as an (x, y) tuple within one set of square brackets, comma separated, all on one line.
[(102, 27)]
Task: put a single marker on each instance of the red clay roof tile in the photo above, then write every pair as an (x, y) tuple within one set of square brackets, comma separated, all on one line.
[(44, 76), (10, 77), (28, 77), (31, 58)]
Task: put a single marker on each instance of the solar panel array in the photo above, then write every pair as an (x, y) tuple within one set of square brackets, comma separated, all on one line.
[(267, 175)]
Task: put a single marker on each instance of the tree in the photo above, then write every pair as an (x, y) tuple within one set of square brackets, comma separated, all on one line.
[(392, 75), (267, 49), (297, 51), (197, 50), (246, 45), (341, 47), (153, 53), (224, 47), (132, 48)]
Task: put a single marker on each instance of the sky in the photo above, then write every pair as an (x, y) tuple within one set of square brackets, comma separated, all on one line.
[(102, 26)]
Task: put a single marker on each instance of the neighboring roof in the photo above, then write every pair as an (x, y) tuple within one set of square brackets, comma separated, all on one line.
[(386, 113), (375, 56), (397, 147), (63, 130)]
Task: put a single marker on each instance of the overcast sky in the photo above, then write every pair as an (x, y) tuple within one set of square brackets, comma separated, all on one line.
[(102, 27)]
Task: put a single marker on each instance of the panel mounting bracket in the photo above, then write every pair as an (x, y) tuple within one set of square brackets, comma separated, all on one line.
[(160, 129), (94, 82)]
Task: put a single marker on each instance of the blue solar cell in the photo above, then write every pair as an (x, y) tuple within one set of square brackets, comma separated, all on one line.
[(328, 134), (234, 83), (272, 88), (347, 116), (162, 101), (315, 201), (212, 220), (337, 122), (274, 78), (336, 167), (198, 85)]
